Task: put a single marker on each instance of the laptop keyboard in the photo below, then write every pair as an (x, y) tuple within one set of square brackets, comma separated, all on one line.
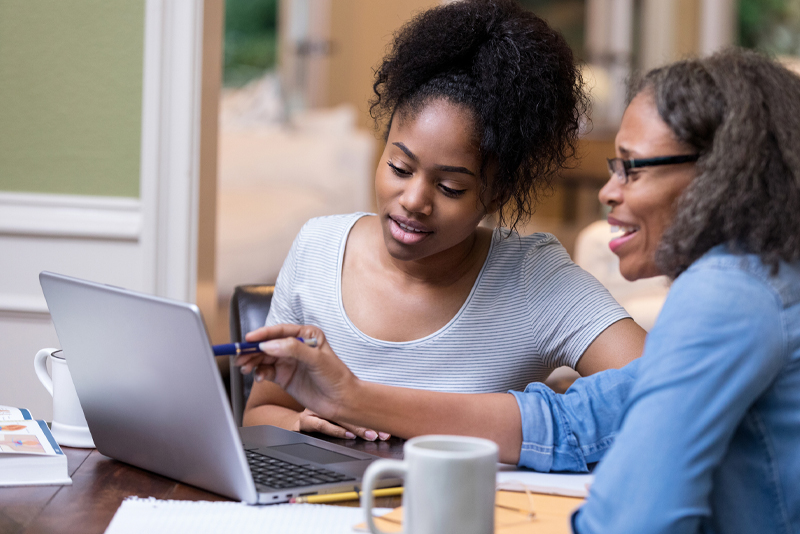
[(274, 473)]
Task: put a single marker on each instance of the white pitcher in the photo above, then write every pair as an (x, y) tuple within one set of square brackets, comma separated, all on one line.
[(69, 424)]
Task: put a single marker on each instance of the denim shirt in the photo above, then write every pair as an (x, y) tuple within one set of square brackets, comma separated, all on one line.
[(705, 425)]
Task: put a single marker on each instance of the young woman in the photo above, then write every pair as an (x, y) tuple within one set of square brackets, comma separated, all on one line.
[(483, 102), (705, 426)]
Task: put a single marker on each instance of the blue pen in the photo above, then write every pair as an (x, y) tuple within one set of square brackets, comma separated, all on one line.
[(235, 349)]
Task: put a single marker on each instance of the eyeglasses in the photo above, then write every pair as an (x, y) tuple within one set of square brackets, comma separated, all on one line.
[(619, 167)]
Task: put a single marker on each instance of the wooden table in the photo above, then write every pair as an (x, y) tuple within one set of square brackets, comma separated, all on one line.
[(100, 484)]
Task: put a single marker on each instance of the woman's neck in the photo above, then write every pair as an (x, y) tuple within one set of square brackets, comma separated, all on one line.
[(445, 268), (394, 300)]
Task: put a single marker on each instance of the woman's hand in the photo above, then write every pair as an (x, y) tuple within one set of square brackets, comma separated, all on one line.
[(314, 376), (308, 421)]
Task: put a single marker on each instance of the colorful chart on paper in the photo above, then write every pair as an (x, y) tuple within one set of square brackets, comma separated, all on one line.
[(21, 443)]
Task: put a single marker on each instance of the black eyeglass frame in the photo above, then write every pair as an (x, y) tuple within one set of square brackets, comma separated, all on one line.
[(628, 164)]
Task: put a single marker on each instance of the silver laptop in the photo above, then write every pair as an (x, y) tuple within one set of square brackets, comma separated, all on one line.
[(149, 386)]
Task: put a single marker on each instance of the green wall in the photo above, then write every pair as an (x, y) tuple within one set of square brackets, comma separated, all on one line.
[(71, 96)]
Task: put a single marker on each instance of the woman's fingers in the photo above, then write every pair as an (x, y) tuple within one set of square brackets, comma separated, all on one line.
[(365, 433), (310, 422), (264, 372), (313, 375), (278, 341), (274, 332), (288, 347), (248, 362), (360, 431)]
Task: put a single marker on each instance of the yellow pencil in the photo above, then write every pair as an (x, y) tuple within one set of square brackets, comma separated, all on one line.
[(346, 496)]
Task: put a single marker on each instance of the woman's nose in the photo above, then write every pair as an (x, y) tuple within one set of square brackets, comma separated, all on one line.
[(416, 197), (611, 193)]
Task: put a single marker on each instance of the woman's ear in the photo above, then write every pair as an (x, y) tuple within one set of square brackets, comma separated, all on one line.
[(496, 199), (496, 204)]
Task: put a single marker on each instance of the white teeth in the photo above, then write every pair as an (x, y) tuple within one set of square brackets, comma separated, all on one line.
[(408, 228), (624, 229)]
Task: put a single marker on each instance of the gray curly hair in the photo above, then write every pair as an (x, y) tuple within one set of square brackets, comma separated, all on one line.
[(741, 112)]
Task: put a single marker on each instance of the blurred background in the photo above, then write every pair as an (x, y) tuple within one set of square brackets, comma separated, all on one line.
[(176, 147)]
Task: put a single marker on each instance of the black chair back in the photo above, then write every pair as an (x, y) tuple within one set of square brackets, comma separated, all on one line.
[(249, 308)]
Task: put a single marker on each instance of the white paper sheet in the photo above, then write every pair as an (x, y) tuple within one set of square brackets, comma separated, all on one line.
[(568, 484), (153, 516)]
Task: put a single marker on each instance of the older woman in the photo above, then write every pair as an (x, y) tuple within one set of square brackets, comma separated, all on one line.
[(705, 425)]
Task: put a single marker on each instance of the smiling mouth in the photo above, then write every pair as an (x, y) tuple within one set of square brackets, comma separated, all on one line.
[(625, 229), (628, 233), (406, 233), (409, 229)]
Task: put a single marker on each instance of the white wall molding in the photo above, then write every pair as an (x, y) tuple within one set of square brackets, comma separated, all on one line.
[(29, 218), (22, 305), (31, 214), (170, 170)]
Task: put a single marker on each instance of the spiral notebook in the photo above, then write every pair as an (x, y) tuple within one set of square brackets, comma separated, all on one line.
[(136, 515)]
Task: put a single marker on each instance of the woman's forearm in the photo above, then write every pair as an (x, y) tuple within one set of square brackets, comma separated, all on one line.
[(271, 414), (409, 412), (268, 404)]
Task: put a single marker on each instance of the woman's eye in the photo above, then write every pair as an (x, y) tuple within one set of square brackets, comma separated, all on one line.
[(450, 192), (633, 175), (397, 170)]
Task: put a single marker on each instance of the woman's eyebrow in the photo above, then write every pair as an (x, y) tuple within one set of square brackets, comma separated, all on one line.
[(405, 149), (450, 168), (445, 168)]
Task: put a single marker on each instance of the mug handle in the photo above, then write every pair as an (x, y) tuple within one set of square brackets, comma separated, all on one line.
[(374, 472), (40, 366)]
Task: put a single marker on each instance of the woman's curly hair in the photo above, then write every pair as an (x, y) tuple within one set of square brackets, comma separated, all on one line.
[(741, 112), (515, 74)]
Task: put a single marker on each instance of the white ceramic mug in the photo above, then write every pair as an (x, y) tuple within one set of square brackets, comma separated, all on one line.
[(449, 485), (69, 424)]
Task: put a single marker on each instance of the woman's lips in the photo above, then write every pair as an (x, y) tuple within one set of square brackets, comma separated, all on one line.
[(406, 231), (629, 233), (617, 242)]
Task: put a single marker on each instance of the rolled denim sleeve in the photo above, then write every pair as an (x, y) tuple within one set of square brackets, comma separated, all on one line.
[(566, 432)]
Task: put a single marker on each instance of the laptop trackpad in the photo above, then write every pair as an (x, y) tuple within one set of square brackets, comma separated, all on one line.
[(312, 453)]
